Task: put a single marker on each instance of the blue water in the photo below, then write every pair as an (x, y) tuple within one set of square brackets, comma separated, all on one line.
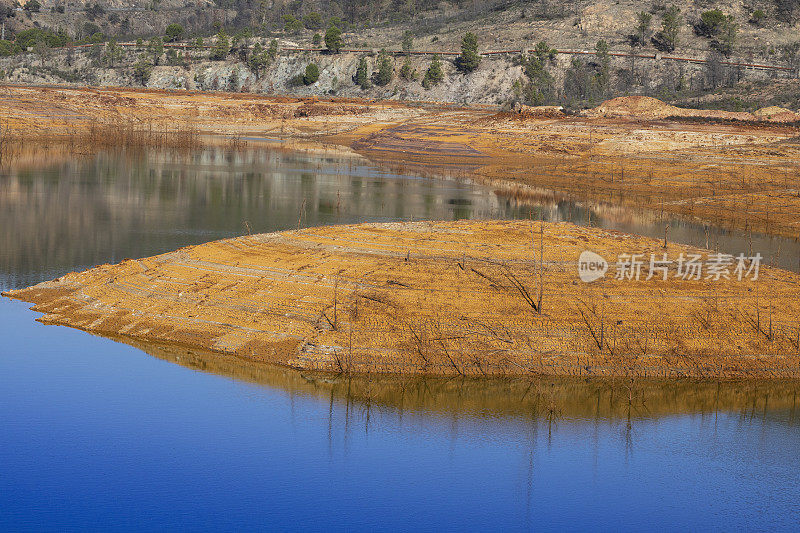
[(98, 435)]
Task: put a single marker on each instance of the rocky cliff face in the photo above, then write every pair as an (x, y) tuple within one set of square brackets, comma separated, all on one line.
[(492, 83), (573, 27)]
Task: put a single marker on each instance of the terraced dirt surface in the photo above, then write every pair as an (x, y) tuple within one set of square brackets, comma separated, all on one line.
[(468, 298), (417, 140)]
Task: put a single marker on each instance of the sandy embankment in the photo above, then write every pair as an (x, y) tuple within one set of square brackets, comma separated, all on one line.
[(439, 298)]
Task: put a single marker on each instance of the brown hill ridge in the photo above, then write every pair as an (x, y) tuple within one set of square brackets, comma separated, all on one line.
[(645, 107)]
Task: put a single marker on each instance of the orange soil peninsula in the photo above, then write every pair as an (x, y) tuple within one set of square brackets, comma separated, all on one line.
[(464, 298)]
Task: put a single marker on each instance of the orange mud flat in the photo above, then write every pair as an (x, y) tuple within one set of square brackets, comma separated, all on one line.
[(59, 112), (743, 176), (439, 298)]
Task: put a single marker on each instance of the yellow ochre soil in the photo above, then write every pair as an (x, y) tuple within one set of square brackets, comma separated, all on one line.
[(455, 298), (736, 170)]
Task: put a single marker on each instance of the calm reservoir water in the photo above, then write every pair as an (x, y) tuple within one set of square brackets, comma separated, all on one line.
[(97, 434)]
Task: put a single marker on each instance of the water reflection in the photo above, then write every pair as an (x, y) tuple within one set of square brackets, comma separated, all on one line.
[(546, 399), (96, 433), (609, 211), (80, 212), (64, 213)]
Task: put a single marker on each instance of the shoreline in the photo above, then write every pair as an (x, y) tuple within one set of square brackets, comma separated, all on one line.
[(738, 175), (386, 298)]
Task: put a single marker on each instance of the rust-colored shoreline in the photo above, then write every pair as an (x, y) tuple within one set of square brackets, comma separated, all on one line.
[(739, 171), (438, 298)]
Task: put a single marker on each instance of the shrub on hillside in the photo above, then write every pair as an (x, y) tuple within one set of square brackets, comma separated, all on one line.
[(311, 74), (333, 40), (221, 47), (434, 75), (757, 17), (312, 21), (469, 58), (142, 70), (173, 32), (8, 48), (727, 36), (29, 38), (539, 88), (361, 77), (667, 39), (710, 23), (384, 73), (156, 48), (407, 72), (291, 24), (643, 22)]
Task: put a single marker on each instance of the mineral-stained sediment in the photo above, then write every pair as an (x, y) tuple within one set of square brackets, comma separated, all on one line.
[(738, 171), (471, 298)]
